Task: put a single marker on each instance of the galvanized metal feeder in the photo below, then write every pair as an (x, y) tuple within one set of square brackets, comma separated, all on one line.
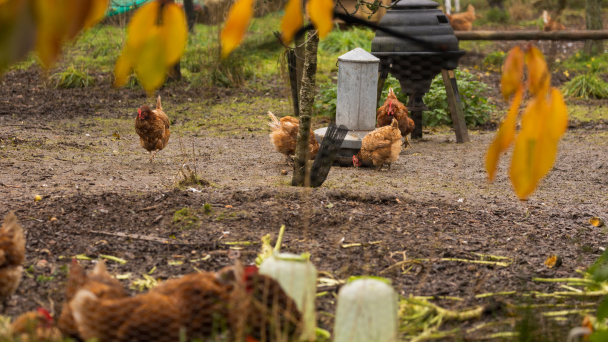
[(356, 102), (416, 68)]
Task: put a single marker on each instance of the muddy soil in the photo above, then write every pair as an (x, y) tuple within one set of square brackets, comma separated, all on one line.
[(434, 203)]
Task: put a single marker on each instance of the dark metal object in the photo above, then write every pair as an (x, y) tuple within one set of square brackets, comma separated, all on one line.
[(410, 63), (293, 80), (332, 140), (532, 35)]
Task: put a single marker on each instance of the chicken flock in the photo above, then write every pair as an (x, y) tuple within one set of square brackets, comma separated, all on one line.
[(234, 304)]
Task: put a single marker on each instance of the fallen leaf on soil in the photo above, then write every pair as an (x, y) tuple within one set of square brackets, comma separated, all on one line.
[(37, 198), (596, 221), (553, 261)]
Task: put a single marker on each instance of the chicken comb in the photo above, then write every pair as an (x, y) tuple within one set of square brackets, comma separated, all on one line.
[(47, 315), (251, 270)]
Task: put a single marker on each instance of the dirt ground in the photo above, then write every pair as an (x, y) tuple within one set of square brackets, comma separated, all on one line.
[(434, 203)]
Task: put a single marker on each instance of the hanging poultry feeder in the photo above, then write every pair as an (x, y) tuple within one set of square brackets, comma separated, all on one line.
[(407, 61)]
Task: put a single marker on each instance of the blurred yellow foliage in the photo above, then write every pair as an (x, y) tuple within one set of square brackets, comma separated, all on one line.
[(157, 36), (544, 121)]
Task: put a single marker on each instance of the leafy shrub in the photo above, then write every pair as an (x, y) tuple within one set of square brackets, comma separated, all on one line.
[(476, 107), (72, 78), (495, 15), (326, 99), (586, 86), (346, 40), (494, 60)]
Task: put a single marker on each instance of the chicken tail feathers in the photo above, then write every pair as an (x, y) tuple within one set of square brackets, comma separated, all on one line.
[(101, 270), (332, 141), (275, 124), (158, 105), (11, 231)]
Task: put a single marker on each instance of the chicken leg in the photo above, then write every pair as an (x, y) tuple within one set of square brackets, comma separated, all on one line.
[(289, 160), (407, 142), (152, 155), (380, 167)]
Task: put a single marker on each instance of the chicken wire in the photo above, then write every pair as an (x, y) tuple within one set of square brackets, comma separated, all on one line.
[(234, 304)]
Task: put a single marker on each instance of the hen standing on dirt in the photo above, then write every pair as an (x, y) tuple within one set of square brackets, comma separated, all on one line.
[(152, 126), (382, 146), (393, 108), (284, 135), (12, 254)]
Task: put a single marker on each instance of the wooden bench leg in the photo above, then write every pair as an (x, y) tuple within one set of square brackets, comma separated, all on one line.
[(455, 104)]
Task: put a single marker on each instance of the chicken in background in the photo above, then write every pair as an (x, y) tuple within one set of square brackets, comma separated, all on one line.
[(196, 302), (393, 108), (99, 282), (463, 21), (35, 326), (379, 147), (284, 135), (256, 303), (12, 254), (551, 25), (152, 126)]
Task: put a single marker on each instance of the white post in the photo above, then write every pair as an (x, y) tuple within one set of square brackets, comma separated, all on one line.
[(448, 7), (457, 6)]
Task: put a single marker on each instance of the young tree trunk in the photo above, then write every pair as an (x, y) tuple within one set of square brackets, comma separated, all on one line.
[(307, 98), (190, 14), (299, 62), (593, 19)]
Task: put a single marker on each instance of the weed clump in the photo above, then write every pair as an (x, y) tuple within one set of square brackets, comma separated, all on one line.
[(72, 78), (185, 218), (586, 86)]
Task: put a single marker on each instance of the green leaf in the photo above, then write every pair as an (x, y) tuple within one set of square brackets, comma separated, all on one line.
[(599, 336), (602, 310)]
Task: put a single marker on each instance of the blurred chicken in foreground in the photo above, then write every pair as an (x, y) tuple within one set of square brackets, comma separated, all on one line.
[(379, 147), (393, 108), (152, 126), (12, 254), (99, 282), (284, 135), (35, 326)]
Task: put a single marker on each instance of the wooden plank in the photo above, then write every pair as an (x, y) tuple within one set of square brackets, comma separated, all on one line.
[(532, 35), (455, 104)]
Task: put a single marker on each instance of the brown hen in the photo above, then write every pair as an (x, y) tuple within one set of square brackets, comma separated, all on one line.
[(550, 24), (284, 136), (393, 108), (35, 326), (463, 21), (12, 254), (379, 147), (152, 126), (99, 282)]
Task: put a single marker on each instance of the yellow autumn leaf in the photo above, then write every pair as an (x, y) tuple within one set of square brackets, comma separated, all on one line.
[(75, 16), (512, 72), (17, 32), (292, 20), (96, 12), (558, 114), (150, 63), (321, 15), (123, 68), (238, 20), (174, 32), (596, 221), (535, 149), (505, 135), (53, 26), (553, 261), (141, 24), (539, 77)]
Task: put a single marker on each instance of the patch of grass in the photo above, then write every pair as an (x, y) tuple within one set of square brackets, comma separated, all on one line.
[(72, 78), (44, 279), (586, 86), (207, 209), (342, 41), (587, 114), (584, 63), (493, 61), (185, 218)]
